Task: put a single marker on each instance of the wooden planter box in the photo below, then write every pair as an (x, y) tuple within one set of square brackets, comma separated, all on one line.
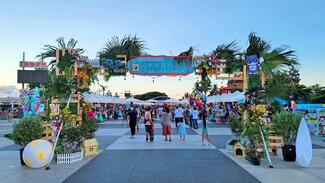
[(69, 158)]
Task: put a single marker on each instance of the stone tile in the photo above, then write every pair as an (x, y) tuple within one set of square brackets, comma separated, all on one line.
[(191, 142), (12, 147), (216, 131), (5, 142), (111, 132), (161, 166), (286, 171)]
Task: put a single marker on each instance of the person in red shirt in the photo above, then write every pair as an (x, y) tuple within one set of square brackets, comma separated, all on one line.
[(90, 115)]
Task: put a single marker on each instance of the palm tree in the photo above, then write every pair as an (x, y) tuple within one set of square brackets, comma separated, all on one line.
[(49, 51), (128, 45), (230, 52), (272, 58)]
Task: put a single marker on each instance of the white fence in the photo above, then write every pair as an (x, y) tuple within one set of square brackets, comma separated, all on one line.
[(69, 158)]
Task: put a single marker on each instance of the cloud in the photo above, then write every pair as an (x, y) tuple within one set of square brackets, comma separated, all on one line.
[(9, 91)]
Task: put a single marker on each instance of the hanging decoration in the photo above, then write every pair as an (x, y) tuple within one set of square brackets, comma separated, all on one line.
[(32, 104), (253, 63)]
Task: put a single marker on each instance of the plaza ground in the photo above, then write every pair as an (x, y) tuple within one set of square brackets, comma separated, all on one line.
[(122, 159)]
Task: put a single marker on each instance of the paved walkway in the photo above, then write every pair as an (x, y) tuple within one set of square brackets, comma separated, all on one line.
[(122, 159), (132, 160)]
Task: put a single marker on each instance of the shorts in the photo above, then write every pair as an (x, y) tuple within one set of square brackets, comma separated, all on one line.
[(166, 130), (204, 131), (148, 128), (178, 120)]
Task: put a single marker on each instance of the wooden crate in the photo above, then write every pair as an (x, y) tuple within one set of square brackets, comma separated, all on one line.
[(275, 142), (47, 132)]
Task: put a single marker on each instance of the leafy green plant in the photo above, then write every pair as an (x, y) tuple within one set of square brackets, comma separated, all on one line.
[(236, 126), (71, 138), (27, 130), (252, 138), (286, 124)]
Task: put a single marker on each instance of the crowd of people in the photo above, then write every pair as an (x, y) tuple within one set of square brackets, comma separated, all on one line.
[(183, 115)]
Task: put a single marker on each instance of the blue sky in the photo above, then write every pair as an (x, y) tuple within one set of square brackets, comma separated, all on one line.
[(168, 26)]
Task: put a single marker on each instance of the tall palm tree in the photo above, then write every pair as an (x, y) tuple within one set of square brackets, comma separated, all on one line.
[(128, 45), (49, 51), (231, 53), (272, 58)]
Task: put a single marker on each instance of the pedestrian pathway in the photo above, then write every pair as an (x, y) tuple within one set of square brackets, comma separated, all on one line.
[(128, 159)]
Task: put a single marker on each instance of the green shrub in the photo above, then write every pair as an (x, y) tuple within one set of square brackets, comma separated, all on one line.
[(27, 130), (286, 125), (236, 126)]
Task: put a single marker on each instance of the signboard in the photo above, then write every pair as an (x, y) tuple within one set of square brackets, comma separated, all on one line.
[(160, 65), (31, 76), (32, 64)]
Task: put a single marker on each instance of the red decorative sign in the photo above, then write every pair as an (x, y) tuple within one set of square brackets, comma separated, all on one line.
[(33, 64)]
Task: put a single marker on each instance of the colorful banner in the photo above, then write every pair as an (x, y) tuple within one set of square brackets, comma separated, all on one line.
[(312, 113), (160, 65)]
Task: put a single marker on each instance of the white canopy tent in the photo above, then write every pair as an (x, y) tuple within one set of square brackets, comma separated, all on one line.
[(98, 98), (171, 100), (226, 97)]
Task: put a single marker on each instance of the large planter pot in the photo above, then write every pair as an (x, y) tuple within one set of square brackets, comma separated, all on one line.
[(254, 160), (21, 156), (289, 153)]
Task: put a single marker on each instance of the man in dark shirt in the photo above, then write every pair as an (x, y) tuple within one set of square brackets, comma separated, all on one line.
[(133, 115)]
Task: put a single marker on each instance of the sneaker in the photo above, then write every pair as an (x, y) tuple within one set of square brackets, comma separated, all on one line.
[(170, 140)]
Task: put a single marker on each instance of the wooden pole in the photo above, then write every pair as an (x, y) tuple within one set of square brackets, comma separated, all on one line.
[(245, 79)]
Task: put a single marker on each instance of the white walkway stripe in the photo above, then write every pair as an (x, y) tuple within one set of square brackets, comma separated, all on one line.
[(191, 142)]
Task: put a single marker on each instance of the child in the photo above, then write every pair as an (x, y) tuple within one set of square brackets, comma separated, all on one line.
[(204, 129), (181, 129)]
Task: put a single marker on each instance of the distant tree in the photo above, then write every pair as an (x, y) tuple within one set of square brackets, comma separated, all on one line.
[(214, 90), (317, 94), (204, 85), (151, 95)]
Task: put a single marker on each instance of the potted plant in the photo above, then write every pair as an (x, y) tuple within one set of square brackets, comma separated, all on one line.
[(237, 127), (286, 124), (252, 139), (25, 131)]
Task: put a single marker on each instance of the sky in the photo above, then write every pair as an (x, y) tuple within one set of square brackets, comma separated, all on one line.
[(168, 27)]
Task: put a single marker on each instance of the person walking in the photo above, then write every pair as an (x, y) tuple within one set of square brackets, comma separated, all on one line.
[(195, 116), (181, 130), (133, 116), (149, 125), (179, 115), (166, 123), (204, 129)]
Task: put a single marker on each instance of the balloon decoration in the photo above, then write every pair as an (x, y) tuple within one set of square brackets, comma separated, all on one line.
[(37, 153), (198, 100), (32, 102)]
